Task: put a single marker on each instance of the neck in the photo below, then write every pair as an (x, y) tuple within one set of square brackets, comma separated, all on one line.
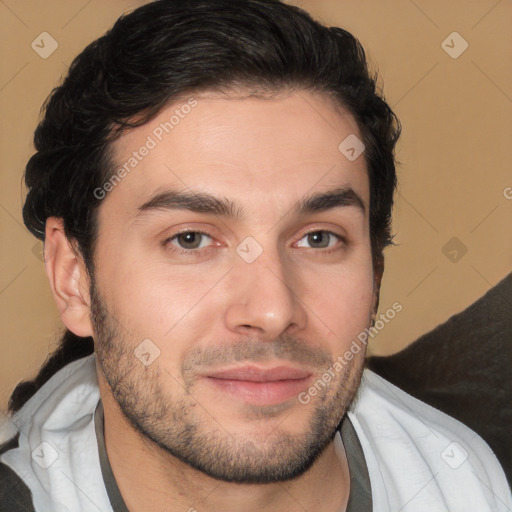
[(151, 479)]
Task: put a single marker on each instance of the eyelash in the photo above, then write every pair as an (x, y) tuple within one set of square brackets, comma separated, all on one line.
[(197, 252), (187, 252)]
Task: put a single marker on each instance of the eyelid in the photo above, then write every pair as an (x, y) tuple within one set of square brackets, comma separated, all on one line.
[(195, 227), (168, 239), (199, 251), (322, 229), (340, 237)]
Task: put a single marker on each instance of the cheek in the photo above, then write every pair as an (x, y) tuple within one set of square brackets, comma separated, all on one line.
[(343, 300), (159, 302)]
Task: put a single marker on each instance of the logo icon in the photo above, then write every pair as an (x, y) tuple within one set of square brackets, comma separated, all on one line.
[(454, 455), (249, 250), (45, 455), (44, 45), (454, 45), (146, 352), (454, 250), (351, 147), (37, 250)]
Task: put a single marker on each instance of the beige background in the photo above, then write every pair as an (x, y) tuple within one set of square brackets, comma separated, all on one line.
[(455, 155)]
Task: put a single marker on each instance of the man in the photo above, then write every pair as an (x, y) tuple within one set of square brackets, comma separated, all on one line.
[(213, 183)]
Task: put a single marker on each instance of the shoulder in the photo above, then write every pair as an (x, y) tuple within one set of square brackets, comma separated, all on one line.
[(69, 395), (462, 367), (410, 445), (15, 496)]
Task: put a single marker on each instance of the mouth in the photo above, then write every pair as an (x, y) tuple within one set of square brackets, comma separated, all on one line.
[(261, 386)]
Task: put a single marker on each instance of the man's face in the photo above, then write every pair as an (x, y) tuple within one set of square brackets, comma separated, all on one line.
[(207, 340)]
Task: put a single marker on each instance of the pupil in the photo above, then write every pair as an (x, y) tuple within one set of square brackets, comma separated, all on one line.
[(317, 238), (189, 239)]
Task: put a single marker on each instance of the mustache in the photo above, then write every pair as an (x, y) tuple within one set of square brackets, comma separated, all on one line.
[(254, 350)]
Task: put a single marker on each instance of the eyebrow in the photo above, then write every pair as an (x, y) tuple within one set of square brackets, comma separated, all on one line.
[(201, 202)]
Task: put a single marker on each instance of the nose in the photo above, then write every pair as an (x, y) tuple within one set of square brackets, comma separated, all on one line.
[(265, 298)]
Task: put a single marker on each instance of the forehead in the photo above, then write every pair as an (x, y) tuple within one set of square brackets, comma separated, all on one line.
[(263, 150)]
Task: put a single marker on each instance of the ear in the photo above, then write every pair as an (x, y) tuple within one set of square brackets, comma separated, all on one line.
[(68, 278), (377, 279)]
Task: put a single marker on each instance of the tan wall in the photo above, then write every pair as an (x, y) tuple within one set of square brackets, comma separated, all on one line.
[(455, 155)]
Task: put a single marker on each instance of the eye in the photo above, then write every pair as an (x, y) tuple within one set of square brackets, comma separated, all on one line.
[(188, 241), (321, 239)]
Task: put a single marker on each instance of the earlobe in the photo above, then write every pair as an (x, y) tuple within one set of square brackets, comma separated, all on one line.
[(68, 279)]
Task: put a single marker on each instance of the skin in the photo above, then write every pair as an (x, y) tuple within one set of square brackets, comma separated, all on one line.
[(173, 436)]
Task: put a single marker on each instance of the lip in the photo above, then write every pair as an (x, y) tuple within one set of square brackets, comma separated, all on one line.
[(261, 386), (255, 374)]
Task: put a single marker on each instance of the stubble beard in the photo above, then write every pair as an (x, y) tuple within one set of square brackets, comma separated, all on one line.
[(183, 427)]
